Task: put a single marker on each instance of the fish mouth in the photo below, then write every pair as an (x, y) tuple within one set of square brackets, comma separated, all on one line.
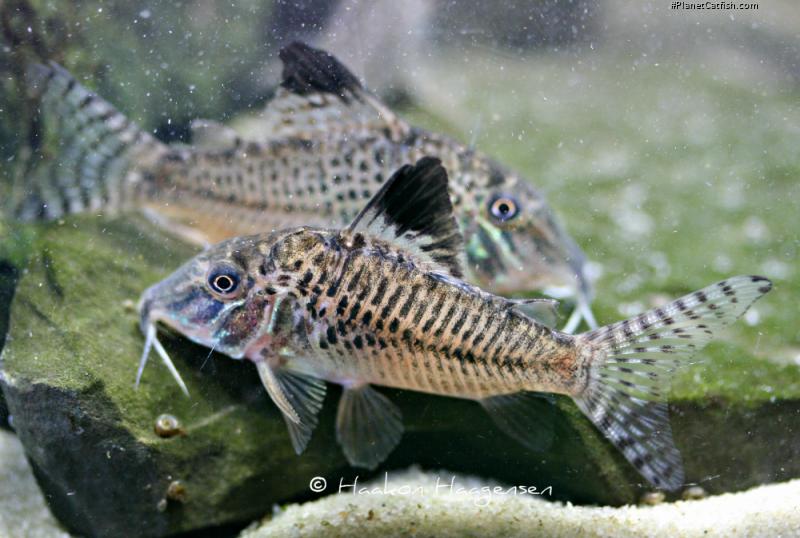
[(152, 317)]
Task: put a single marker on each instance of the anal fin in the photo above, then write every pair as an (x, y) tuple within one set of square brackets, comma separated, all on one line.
[(526, 417), (368, 426), (298, 396)]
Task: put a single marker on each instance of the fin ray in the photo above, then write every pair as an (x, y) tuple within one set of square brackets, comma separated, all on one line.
[(298, 396), (633, 362), (526, 417), (368, 426), (320, 97), (100, 154), (412, 210), (543, 311)]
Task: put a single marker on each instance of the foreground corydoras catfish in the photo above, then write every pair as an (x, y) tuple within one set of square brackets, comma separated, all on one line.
[(332, 145), (380, 303)]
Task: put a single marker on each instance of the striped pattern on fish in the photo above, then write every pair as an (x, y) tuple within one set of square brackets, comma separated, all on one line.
[(333, 145), (380, 303)]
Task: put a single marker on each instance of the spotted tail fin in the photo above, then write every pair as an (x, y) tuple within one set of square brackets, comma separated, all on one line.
[(99, 160), (634, 361)]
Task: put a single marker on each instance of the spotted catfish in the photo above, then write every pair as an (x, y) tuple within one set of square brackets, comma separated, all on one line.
[(380, 303), (330, 146)]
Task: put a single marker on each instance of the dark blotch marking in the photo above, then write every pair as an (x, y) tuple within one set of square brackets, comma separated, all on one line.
[(331, 335), (367, 317), (342, 306)]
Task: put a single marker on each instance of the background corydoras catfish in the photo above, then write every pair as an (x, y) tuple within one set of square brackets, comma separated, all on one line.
[(332, 144)]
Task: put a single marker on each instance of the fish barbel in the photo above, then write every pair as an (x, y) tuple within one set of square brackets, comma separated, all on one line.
[(332, 145), (380, 303)]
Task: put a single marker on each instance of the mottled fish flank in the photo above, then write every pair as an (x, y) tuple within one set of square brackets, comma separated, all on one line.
[(380, 303), (331, 146)]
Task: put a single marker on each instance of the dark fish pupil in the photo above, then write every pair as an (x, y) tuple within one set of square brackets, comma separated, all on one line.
[(504, 209), (224, 282)]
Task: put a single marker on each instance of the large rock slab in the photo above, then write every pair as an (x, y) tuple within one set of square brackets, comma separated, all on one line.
[(69, 365)]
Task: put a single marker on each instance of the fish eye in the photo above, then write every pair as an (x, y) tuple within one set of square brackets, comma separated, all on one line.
[(223, 280), (503, 208)]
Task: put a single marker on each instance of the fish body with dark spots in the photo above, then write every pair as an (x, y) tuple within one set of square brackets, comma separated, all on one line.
[(330, 148), (374, 318), (381, 302)]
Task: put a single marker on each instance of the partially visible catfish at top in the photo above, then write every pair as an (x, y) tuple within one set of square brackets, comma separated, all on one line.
[(331, 146), (380, 302)]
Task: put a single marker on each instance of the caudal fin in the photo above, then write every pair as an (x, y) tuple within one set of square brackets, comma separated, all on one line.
[(633, 362), (99, 159)]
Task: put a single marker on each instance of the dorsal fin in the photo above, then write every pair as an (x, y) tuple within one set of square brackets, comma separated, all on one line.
[(308, 70), (413, 211), (319, 96)]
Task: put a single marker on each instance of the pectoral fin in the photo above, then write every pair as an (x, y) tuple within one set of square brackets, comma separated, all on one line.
[(298, 396), (524, 416), (368, 426)]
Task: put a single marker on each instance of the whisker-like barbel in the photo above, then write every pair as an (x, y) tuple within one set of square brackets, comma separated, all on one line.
[(151, 342)]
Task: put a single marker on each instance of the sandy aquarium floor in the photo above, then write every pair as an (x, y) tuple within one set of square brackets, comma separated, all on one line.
[(415, 503)]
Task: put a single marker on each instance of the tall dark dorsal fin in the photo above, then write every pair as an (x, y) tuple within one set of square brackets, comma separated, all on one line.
[(413, 211), (309, 70), (320, 98)]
